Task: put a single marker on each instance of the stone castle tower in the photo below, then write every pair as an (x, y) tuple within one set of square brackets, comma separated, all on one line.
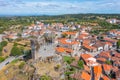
[(34, 49)]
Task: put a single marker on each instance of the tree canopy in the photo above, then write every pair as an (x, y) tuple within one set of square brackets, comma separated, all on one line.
[(80, 64), (15, 51)]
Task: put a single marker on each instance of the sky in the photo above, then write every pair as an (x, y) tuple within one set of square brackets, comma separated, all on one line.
[(58, 7)]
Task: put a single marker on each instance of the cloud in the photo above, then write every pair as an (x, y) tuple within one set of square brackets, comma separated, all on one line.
[(59, 7)]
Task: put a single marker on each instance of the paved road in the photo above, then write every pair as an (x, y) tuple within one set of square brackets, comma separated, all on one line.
[(7, 61)]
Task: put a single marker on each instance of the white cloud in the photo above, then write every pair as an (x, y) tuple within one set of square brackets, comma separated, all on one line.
[(19, 6)]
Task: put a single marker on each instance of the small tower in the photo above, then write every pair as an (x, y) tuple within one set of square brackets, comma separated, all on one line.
[(34, 49)]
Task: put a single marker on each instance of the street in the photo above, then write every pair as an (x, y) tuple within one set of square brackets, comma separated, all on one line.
[(7, 61)]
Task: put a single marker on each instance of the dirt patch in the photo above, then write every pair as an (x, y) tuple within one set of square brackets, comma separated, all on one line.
[(47, 68)]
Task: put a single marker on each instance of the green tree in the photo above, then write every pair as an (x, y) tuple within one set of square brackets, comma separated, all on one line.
[(68, 59), (108, 62), (21, 65), (15, 44), (19, 35), (80, 64), (2, 59), (15, 51), (4, 43), (68, 74), (1, 48)]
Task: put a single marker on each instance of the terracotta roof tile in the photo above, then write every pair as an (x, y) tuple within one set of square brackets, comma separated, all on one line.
[(88, 47), (105, 78), (86, 56), (86, 68), (85, 76), (97, 72), (67, 41), (61, 49), (117, 55), (105, 54), (69, 33), (101, 59), (107, 67)]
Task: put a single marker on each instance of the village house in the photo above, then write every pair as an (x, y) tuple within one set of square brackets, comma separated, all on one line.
[(104, 77), (101, 60), (71, 44), (117, 63), (97, 72), (81, 76), (116, 59), (88, 60), (63, 51), (89, 48), (71, 35), (113, 41), (107, 69), (105, 54), (117, 75), (64, 29), (75, 64)]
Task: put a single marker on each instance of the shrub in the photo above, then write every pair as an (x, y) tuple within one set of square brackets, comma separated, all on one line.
[(2, 59), (15, 51), (15, 44), (1, 48), (80, 64), (4, 43), (21, 65), (108, 62), (45, 77), (68, 59)]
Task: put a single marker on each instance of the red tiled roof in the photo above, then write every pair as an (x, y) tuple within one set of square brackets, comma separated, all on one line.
[(86, 41), (61, 49), (86, 68), (86, 56), (117, 62), (105, 78), (115, 58), (64, 41), (107, 67), (110, 44), (105, 54), (101, 59), (97, 72), (85, 76), (81, 75), (88, 47), (117, 55), (109, 39), (70, 33), (114, 68)]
